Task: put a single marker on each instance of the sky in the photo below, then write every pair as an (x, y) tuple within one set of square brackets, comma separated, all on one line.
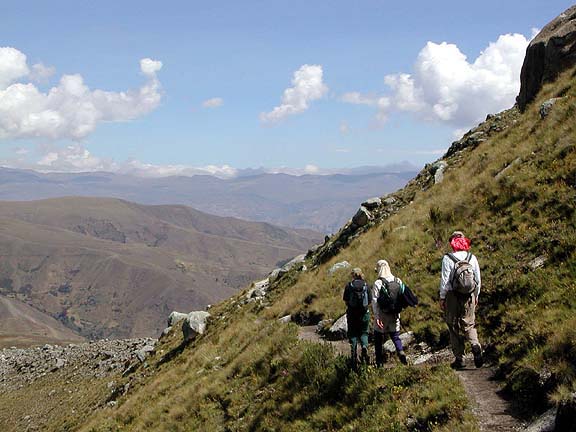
[(188, 87)]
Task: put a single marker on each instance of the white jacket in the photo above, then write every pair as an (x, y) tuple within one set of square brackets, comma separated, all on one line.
[(391, 321), (448, 265)]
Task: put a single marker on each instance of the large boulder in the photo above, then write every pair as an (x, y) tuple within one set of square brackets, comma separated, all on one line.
[(174, 317), (551, 52), (194, 324), (362, 217), (339, 329), (342, 265)]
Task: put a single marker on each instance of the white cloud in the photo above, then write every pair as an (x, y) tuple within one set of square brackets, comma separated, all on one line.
[(72, 158), (142, 169), (69, 110), (12, 66), (149, 67), (41, 73), (213, 103), (307, 86), (446, 87)]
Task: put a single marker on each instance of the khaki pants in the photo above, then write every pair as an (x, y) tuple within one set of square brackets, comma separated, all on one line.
[(460, 317)]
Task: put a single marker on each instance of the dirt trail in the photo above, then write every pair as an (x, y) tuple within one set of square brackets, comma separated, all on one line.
[(490, 408)]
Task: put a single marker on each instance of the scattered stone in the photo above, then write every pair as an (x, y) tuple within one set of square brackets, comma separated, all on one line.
[(507, 168), (389, 201), (339, 266), (258, 290), (97, 359), (323, 326), (372, 203), (144, 352)]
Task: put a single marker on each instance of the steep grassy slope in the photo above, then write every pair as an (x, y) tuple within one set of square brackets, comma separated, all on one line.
[(513, 194)]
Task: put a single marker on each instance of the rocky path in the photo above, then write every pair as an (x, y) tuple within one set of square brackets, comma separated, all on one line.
[(490, 408)]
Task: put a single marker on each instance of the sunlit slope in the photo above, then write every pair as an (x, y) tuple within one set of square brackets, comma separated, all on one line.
[(512, 192)]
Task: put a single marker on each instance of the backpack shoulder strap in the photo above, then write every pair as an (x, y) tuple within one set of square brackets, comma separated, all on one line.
[(468, 257), (452, 257)]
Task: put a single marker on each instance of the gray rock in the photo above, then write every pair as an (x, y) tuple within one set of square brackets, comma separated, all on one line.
[(372, 203), (546, 107), (166, 332), (507, 168), (194, 324), (174, 317), (538, 262), (342, 265), (258, 290), (144, 352), (544, 423), (439, 171), (389, 201), (362, 217), (285, 319), (339, 329), (406, 338), (323, 325), (551, 52)]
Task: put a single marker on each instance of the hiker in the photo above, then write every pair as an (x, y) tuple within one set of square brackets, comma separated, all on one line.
[(386, 314), (459, 290), (358, 297)]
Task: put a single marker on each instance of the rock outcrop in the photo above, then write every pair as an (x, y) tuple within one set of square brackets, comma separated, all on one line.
[(552, 51), (194, 324)]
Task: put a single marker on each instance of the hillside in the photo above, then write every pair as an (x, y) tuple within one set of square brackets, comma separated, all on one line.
[(509, 183), (322, 203), (111, 268)]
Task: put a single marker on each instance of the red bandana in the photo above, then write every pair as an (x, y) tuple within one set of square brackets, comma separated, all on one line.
[(460, 244)]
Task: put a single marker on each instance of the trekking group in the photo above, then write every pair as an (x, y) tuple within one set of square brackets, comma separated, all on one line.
[(459, 291)]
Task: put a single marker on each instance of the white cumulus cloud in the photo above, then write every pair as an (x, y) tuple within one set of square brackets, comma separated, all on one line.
[(446, 87), (307, 86), (213, 103), (70, 109)]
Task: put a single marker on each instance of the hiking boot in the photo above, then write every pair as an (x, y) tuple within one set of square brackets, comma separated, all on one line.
[(457, 364), (402, 358), (478, 358), (364, 357)]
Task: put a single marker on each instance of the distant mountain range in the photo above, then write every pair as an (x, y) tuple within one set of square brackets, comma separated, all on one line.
[(319, 202), (111, 268)]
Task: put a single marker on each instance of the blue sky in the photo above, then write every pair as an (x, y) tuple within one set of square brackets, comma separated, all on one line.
[(364, 86)]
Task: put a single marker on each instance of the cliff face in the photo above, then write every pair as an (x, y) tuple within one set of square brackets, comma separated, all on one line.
[(552, 51)]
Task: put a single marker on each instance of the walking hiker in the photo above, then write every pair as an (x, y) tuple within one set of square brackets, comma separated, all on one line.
[(358, 297), (459, 291), (386, 294)]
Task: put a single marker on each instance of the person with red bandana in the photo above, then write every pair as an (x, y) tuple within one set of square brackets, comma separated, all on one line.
[(459, 309)]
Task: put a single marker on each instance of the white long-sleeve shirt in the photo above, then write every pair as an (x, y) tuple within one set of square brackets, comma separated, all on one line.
[(391, 322), (448, 265)]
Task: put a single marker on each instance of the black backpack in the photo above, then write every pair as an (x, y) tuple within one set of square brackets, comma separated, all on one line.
[(358, 298), (462, 277), (390, 296)]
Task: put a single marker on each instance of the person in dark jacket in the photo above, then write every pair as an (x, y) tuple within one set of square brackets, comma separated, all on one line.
[(358, 298)]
